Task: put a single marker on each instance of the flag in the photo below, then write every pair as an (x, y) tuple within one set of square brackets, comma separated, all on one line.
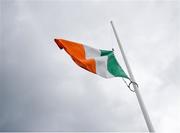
[(100, 62)]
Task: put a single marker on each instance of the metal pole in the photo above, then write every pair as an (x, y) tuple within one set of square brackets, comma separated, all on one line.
[(141, 103)]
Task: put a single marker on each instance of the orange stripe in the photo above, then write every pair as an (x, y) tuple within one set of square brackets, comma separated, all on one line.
[(77, 53)]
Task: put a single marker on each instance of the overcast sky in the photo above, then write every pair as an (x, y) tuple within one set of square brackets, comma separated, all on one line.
[(42, 89)]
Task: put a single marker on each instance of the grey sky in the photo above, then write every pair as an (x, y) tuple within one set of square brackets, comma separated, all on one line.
[(42, 89)]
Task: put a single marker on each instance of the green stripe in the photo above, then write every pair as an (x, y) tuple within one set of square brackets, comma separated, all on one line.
[(105, 52), (112, 65)]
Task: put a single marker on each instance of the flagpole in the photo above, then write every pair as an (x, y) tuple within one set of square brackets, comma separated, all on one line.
[(140, 100)]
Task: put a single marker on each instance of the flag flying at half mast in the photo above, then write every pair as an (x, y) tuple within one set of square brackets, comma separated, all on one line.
[(100, 62)]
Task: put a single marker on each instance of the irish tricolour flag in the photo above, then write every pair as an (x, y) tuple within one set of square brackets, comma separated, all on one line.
[(100, 62)]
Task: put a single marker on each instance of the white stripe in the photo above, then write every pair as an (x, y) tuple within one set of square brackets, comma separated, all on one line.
[(101, 67), (91, 52), (101, 61)]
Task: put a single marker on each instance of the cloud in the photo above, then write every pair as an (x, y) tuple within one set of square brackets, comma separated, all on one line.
[(41, 89)]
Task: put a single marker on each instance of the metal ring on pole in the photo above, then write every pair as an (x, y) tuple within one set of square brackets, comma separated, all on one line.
[(132, 82), (129, 85)]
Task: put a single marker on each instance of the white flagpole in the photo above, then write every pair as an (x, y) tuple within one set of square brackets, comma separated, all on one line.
[(140, 100)]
